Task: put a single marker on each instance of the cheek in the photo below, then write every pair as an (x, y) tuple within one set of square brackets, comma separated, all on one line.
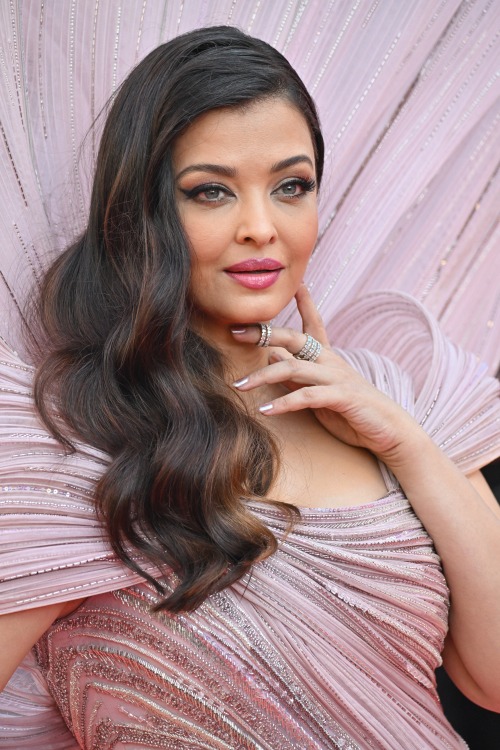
[(305, 237), (205, 249), (207, 239)]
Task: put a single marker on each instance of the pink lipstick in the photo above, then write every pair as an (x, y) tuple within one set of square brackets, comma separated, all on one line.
[(255, 273)]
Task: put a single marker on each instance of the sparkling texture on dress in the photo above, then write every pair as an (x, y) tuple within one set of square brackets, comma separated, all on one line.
[(330, 643)]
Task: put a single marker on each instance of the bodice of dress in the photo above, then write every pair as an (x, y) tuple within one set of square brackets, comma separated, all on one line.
[(330, 643)]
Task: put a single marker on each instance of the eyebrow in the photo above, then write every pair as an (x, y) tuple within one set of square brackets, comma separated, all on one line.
[(291, 162), (232, 172)]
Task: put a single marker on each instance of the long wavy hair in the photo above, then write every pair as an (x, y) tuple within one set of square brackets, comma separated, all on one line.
[(120, 364)]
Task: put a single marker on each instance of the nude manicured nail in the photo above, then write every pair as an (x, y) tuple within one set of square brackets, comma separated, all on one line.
[(238, 330), (266, 407), (241, 382)]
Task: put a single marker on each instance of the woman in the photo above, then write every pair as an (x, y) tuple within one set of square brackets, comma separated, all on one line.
[(274, 500)]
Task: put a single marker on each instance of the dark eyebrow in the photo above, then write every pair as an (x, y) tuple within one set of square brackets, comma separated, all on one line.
[(216, 168), (231, 172), (290, 162)]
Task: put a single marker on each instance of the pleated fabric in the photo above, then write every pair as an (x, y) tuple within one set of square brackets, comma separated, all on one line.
[(331, 643)]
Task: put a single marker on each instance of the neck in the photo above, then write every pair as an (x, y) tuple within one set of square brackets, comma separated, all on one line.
[(241, 360), (241, 357)]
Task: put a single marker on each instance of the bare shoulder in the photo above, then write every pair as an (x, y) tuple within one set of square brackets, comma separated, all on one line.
[(19, 631)]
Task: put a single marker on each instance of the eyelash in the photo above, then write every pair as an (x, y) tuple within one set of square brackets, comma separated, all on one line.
[(307, 187)]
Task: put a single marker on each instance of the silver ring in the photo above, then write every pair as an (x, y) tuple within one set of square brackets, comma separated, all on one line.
[(265, 334), (310, 351)]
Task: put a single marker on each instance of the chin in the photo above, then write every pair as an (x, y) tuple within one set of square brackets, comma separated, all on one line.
[(263, 312)]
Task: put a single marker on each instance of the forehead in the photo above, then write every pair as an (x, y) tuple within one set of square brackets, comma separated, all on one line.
[(271, 129)]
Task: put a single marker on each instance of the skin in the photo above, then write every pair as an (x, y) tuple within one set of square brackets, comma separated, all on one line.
[(325, 416), (329, 422), (255, 212)]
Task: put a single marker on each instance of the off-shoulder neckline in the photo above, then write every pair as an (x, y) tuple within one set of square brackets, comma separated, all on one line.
[(307, 510)]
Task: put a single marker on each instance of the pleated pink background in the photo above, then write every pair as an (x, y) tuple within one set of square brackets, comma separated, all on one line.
[(409, 99)]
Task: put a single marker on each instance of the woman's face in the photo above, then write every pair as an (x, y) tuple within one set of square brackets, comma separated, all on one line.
[(245, 181)]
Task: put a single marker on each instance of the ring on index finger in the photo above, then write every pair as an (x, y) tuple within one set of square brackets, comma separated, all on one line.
[(265, 334), (311, 349)]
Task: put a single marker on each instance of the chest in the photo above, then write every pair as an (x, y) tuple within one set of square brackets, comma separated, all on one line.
[(318, 470)]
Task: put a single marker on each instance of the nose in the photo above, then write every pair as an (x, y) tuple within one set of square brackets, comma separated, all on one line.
[(256, 225)]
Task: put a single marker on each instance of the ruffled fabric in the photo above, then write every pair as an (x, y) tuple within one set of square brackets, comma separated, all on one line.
[(330, 643), (56, 551), (29, 716), (53, 547), (450, 394)]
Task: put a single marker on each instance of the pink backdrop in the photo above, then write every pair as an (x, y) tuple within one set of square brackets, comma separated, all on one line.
[(409, 99)]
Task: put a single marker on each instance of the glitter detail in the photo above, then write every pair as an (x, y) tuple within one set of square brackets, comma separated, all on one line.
[(351, 595)]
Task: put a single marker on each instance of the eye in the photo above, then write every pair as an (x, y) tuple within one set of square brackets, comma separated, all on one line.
[(207, 193), (295, 188)]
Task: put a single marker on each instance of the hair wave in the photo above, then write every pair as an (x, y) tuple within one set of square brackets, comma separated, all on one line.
[(121, 367)]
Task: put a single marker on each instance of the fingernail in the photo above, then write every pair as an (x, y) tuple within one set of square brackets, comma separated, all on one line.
[(241, 382), (239, 330), (266, 407)]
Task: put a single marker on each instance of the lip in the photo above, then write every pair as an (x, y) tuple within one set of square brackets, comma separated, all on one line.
[(256, 280), (255, 264)]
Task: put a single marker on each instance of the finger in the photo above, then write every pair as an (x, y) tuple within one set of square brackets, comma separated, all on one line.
[(308, 397), (285, 338), (288, 371), (312, 322), (279, 355), (249, 334)]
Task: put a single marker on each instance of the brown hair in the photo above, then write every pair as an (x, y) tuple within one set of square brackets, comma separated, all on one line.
[(120, 361)]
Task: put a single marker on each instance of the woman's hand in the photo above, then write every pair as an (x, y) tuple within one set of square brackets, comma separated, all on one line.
[(346, 404), (463, 523)]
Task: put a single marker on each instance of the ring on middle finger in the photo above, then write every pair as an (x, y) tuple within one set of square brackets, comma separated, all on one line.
[(311, 349)]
